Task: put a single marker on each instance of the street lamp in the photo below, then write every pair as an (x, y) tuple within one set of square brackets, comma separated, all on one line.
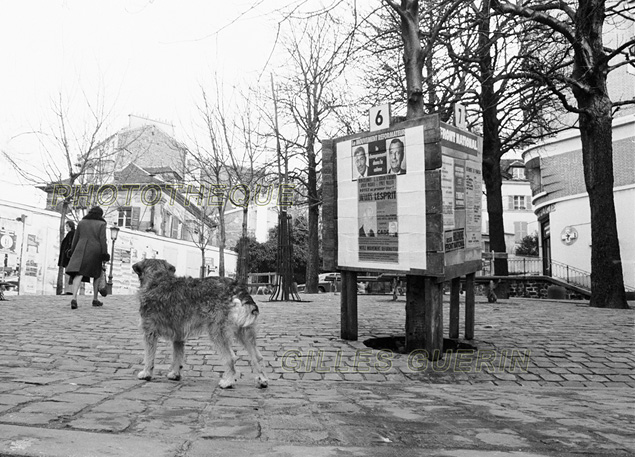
[(114, 232), (22, 219)]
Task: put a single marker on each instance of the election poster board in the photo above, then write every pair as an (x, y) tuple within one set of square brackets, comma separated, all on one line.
[(405, 200), (381, 200), (461, 184)]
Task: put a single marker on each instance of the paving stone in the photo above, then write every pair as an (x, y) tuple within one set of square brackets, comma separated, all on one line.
[(574, 381)]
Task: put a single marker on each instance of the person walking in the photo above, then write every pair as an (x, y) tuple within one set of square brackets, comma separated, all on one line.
[(65, 250), (89, 250)]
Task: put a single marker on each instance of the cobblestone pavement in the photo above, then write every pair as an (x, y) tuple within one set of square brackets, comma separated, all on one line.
[(542, 378)]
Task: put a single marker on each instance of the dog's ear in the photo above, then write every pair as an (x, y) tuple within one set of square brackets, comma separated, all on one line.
[(137, 268), (171, 268)]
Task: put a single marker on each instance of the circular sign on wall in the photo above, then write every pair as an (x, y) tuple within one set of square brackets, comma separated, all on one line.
[(6, 242), (569, 235)]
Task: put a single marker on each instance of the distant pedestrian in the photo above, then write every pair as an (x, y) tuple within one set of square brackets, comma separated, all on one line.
[(89, 250), (65, 248)]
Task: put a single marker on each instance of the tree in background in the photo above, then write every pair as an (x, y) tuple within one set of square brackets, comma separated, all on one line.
[(263, 255), (528, 245), (318, 54), (581, 86), (69, 151)]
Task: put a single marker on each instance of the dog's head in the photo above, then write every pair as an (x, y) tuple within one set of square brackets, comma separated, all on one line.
[(245, 310), (150, 267)]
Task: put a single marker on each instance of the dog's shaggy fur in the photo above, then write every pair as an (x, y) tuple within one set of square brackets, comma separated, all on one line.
[(178, 308)]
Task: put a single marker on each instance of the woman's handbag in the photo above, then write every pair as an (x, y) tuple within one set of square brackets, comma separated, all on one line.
[(103, 285)]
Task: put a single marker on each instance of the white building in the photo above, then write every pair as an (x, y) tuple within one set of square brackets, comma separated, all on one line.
[(561, 202), (519, 219)]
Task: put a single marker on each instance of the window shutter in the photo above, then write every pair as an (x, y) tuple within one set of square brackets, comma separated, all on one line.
[(528, 199), (136, 213), (510, 202), (518, 231)]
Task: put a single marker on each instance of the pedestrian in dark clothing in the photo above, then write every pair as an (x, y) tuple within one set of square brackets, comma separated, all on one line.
[(65, 248), (89, 250)]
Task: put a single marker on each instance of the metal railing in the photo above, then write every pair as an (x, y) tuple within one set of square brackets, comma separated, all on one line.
[(528, 266), (571, 275)]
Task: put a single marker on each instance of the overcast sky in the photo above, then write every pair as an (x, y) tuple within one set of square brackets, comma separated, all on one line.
[(148, 56)]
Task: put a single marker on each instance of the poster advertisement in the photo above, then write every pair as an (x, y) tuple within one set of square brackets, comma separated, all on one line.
[(447, 190), (459, 184), (378, 223), (473, 204), (379, 155)]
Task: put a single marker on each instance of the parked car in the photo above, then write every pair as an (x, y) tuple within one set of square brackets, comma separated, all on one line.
[(327, 282)]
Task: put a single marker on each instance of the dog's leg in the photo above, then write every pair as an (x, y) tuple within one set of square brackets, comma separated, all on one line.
[(178, 356), (247, 337), (150, 341), (222, 343)]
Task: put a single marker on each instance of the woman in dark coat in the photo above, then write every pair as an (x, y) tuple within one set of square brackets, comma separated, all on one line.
[(89, 250), (65, 248)]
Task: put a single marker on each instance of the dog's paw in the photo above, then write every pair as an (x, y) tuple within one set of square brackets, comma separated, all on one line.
[(172, 376), (262, 382), (227, 383), (144, 376)]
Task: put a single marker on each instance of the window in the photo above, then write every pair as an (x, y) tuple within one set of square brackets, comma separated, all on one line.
[(519, 202), (124, 218), (518, 172), (174, 232)]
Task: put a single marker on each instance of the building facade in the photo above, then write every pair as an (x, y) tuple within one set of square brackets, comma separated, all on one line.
[(561, 203), (519, 219)]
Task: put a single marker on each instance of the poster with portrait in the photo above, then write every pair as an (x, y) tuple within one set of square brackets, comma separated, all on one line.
[(378, 155), (381, 214)]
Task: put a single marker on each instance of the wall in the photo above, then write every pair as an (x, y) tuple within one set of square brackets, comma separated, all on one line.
[(41, 250), (557, 164)]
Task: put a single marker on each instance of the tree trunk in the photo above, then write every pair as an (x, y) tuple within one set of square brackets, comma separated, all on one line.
[(243, 251), (492, 178), (202, 269), (596, 134), (313, 261), (607, 278), (413, 57), (221, 242)]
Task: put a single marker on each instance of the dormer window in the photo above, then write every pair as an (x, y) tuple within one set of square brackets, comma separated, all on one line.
[(518, 172)]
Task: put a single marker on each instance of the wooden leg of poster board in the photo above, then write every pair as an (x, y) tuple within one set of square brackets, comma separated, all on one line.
[(348, 306), (469, 306), (415, 312), (434, 319), (454, 307)]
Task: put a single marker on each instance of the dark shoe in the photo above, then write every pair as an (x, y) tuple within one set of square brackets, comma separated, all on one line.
[(73, 304), (68, 293), (97, 303)]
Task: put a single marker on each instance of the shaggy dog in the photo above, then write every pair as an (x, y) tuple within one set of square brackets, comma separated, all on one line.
[(178, 308)]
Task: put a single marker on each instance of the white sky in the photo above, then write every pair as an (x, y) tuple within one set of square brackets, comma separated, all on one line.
[(149, 57)]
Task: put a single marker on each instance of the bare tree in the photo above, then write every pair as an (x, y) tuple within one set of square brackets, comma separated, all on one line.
[(248, 164), (318, 54), (210, 156), (69, 150), (581, 24)]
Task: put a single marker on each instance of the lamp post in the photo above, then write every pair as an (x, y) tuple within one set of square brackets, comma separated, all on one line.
[(114, 232), (22, 219)]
